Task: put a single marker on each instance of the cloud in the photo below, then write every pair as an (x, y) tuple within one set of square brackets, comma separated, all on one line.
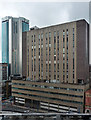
[(45, 14)]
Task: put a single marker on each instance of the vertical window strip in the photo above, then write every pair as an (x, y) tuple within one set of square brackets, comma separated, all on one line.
[(63, 55), (73, 54), (67, 55)]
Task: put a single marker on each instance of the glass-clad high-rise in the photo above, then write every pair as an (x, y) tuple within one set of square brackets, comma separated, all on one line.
[(12, 29), (5, 37)]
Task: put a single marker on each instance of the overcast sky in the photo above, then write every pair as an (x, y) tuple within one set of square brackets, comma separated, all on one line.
[(45, 14)]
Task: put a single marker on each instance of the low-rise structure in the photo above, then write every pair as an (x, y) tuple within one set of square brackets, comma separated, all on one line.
[(88, 101), (3, 72), (49, 96)]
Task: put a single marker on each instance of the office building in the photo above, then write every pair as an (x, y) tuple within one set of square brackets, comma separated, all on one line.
[(3, 79), (52, 97), (57, 68), (3, 72), (12, 29), (59, 53)]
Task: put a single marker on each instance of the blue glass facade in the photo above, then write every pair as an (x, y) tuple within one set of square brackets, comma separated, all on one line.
[(12, 42), (5, 40), (25, 26)]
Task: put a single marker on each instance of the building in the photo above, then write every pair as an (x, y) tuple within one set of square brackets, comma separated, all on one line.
[(3, 78), (52, 97), (12, 29), (24, 52), (59, 53), (90, 74), (3, 72), (57, 68), (88, 101), (6, 90)]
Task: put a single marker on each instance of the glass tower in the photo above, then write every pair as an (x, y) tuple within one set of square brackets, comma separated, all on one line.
[(12, 29), (5, 37)]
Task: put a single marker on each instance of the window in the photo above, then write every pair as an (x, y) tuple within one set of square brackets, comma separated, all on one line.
[(46, 67), (46, 38), (46, 35), (39, 51), (63, 56), (57, 34), (42, 67), (63, 65), (49, 34), (54, 40), (73, 63), (67, 65), (73, 37), (49, 67), (34, 52), (63, 32), (67, 57), (73, 75), (34, 40), (67, 76), (41, 35), (49, 51), (49, 76), (57, 76), (54, 51), (39, 75), (63, 77), (57, 45), (67, 39), (49, 38), (54, 58), (67, 32), (32, 65), (64, 50), (16, 27), (58, 67), (41, 38), (54, 76), (73, 54)]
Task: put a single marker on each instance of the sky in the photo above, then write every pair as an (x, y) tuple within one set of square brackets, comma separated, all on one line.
[(45, 13)]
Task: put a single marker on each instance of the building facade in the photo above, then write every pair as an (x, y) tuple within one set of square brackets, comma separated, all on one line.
[(3, 72), (52, 97), (59, 53), (12, 29), (57, 68), (90, 75), (88, 101)]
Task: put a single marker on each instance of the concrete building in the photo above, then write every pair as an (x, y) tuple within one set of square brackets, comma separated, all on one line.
[(57, 68), (12, 29), (49, 97), (3, 72), (90, 75), (4, 79), (24, 52), (59, 53), (88, 101)]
